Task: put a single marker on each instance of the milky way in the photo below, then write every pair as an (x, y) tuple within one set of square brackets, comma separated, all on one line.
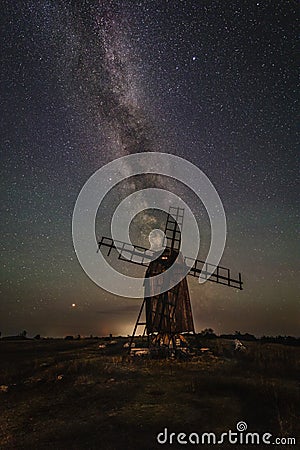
[(102, 69), (83, 83)]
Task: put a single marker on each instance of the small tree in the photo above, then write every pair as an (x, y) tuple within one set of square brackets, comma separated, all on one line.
[(208, 333)]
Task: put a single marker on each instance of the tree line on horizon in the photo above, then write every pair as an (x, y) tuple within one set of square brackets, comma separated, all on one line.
[(207, 333)]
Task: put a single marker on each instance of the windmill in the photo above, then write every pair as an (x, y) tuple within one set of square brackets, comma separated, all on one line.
[(167, 314)]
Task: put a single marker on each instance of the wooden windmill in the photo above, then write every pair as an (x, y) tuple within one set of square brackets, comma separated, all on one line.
[(168, 314)]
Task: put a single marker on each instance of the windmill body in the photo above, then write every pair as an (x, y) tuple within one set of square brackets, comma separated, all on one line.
[(167, 314)]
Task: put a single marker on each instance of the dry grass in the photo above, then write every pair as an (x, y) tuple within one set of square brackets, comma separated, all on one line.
[(71, 395)]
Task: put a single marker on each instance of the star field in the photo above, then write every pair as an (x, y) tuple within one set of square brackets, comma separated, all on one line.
[(83, 83)]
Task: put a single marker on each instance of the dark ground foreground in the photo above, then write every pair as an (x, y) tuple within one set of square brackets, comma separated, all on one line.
[(58, 394)]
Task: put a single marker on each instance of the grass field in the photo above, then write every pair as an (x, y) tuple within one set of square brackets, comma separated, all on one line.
[(59, 394)]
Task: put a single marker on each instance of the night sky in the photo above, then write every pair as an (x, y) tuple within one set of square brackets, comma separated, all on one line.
[(85, 82)]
